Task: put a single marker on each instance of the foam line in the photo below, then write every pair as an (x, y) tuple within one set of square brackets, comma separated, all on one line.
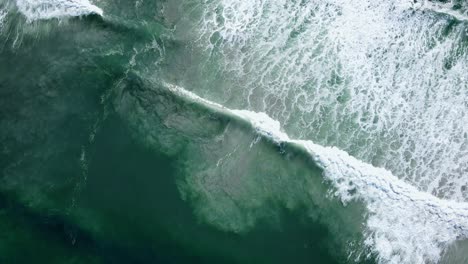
[(404, 225), (48, 9)]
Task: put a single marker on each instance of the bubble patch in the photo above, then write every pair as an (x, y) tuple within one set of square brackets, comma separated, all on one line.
[(386, 81)]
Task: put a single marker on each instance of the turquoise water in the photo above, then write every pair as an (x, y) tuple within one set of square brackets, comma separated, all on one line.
[(233, 131)]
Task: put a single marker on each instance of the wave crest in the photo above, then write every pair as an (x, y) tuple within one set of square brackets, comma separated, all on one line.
[(48, 9)]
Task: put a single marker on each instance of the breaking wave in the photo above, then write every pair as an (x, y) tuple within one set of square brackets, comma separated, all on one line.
[(404, 225), (48, 9)]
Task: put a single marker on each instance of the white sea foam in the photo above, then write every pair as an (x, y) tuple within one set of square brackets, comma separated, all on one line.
[(384, 80), (404, 225), (47, 9), (3, 14)]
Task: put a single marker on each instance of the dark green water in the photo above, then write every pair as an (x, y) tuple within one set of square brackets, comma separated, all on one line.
[(78, 183), (124, 207), (102, 160)]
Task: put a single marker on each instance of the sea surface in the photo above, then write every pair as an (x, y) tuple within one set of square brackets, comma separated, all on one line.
[(234, 131)]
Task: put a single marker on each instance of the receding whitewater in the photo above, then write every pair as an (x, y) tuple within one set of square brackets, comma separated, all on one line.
[(233, 131)]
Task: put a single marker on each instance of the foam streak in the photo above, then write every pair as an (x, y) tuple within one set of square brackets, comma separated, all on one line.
[(48, 9)]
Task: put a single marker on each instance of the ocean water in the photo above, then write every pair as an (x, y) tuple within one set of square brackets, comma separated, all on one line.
[(233, 131)]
